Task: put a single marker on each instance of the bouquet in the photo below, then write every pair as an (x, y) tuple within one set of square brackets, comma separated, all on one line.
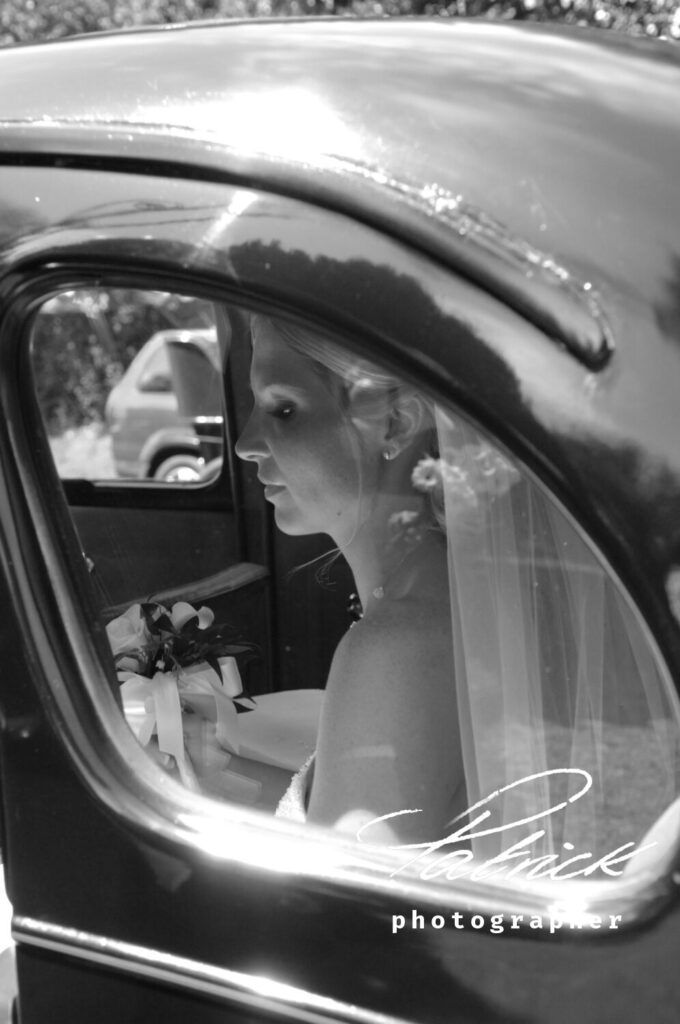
[(182, 691)]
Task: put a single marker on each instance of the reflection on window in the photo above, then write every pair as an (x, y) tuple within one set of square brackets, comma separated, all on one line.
[(494, 665), (458, 670), (129, 383)]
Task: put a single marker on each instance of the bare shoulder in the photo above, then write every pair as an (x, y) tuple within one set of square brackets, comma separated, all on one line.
[(400, 636), (389, 732)]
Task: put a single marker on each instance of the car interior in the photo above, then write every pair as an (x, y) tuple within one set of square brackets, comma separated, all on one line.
[(211, 541)]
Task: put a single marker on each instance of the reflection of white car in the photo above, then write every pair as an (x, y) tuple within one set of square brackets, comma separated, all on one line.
[(165, 415)]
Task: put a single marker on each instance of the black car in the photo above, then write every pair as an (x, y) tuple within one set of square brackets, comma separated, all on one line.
[(489, 215)]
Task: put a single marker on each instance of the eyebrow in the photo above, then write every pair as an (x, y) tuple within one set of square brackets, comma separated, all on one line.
[(291, 390)]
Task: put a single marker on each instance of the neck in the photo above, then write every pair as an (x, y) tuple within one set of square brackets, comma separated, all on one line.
[(382, 547)]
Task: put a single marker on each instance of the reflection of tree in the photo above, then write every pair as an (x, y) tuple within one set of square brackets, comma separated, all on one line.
[(52, 19), (139, 215), (84, 340), (438, 343), (626, 500), (637, 499), (385, 303), (361, 303)]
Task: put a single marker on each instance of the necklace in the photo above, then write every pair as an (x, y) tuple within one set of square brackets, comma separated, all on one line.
[(355, 609)]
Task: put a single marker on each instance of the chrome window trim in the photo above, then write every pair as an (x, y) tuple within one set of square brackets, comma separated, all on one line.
[(256, 992)]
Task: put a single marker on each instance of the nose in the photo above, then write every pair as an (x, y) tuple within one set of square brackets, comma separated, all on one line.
[(250, 445)]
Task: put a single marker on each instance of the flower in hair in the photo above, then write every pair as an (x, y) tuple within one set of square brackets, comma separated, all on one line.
[(466, 474), (427, 474)]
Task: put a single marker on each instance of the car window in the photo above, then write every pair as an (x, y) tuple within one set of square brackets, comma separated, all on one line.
[(129, 385), (156, 374), (452, 670)]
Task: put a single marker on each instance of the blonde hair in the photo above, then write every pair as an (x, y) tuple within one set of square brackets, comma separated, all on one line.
[(364, 385), (360, 379)]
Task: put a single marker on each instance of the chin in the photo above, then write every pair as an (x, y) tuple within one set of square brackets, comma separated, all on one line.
[(292, 523)]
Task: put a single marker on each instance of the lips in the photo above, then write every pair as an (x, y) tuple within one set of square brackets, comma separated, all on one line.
[(271, 490)]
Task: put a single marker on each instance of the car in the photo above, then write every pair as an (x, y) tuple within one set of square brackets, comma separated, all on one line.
[(489, 213), (150, 436)]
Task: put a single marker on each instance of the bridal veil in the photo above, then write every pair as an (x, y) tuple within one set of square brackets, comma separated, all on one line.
[(568, 722)]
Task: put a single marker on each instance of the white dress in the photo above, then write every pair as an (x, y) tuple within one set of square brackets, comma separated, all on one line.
[(293, 803)]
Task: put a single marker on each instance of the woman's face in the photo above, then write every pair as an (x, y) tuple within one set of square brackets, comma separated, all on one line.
[(308, 457)]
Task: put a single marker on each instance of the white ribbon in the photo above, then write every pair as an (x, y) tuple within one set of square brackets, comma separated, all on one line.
[(154, 707)]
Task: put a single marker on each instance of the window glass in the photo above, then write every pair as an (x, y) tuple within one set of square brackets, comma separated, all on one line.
[(451, 668), (156, 374), (129, 384)]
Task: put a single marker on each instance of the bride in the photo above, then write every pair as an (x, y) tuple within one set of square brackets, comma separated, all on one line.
[(495, 653), (336, 442)]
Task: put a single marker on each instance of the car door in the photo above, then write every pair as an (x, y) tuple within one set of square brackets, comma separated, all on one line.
[(135, 898)]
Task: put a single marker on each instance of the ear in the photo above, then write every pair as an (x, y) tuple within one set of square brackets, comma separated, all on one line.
[(408, 419)]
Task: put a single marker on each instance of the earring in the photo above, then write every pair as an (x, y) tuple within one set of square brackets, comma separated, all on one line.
[(387, 454)]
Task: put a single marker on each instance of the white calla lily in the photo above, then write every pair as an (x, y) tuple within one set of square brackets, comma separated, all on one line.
[(128, 631), (182, 612)]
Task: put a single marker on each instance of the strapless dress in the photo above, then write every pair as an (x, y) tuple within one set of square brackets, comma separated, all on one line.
[(293, 803)]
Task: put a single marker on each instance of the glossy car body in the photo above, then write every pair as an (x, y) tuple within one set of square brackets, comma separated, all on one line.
[(150, 435), (371, 178)]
